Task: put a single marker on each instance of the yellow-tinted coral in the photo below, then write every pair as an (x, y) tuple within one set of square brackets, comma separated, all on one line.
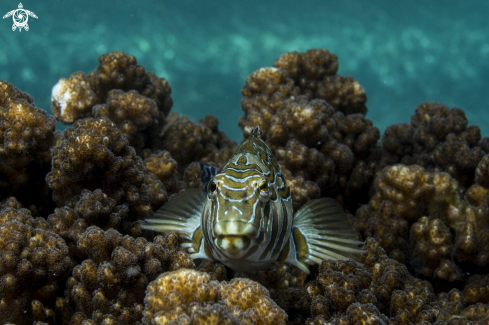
[(477, 289), (188, 141), (121, 90), (191, 297), (300, 119), (432, 250), (375, 292), (301, 190), (72, 98), (314, 71), (265, 91), (307, 163), (388, 229), (109, 285), (409, 188), (136, 116), (482, 172), (26, 135), (437, 138), (95, 155), (165, 168), (32, 258), (117, 70)]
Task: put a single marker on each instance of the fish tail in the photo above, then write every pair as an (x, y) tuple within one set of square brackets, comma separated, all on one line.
[(321, 231)]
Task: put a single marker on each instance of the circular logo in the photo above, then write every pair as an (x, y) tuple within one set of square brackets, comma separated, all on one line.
[(20, 17)]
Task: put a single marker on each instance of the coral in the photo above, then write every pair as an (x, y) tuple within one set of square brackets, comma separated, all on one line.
[(121, 90), (314, 72), (84, 210), (482, 172), (432, 250), (307, 163), (265, 91), (136, 116), (188, 141), (287, 288), (72, 249), (409, 188), (94, 155), (165, 168), (357, 132), (192, 176), (301, 190), (477, 289), (72, 98), (158, 192), (381, 289), (437, 138), (300, 119), (387, 227), (447, 235), (32, 261), (191, 297), (185, 140), (162, 178), (26, 135), (303, 99), (109, 285), (117, 70)]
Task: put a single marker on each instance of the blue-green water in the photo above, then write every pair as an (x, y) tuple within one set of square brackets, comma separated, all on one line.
[(403, 53)]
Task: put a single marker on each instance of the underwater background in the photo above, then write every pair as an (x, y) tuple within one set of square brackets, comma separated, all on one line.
[(402, 53)]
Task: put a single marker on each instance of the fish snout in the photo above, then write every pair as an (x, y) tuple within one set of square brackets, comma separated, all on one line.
[(234, 238)]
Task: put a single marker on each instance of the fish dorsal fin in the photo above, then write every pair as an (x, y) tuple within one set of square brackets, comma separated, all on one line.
[(256, 132), (182, 214), (321, 231), (207, 172)]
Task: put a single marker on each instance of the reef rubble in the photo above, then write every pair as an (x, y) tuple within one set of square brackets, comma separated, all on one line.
[(72, 249)]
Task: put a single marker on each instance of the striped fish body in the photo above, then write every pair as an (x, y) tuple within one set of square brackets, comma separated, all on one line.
[(246, 221)]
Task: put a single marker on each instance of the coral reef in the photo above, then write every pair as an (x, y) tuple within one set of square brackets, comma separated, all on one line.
[(109, 285), (191, 297), (72, 250), (314, 72), (33, 260), (188, 141), (26, 136), (95, 155), (135, 100), (301, 99)]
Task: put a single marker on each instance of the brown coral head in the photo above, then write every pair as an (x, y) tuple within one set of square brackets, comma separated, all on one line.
[(191, 297)]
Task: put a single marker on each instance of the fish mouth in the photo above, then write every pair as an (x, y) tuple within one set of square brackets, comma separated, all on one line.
[(234, 246), (235, 228), (235, 238)]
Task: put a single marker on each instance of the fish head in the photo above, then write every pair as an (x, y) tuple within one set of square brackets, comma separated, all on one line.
[(239, 212)]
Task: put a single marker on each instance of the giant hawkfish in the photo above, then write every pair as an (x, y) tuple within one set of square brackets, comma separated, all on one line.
[(245, 219)]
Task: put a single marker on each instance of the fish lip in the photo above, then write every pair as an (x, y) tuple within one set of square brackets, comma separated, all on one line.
[(234, 247), (235, 228)]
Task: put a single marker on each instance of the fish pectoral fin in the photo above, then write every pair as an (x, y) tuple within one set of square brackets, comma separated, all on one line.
[(182, 214), (321, 231)]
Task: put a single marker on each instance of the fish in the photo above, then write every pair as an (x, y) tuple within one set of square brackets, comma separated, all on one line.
[(207, 172), (245, 217)]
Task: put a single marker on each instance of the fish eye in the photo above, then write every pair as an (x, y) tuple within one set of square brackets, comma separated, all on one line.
[(263, 186), (212, 187)]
